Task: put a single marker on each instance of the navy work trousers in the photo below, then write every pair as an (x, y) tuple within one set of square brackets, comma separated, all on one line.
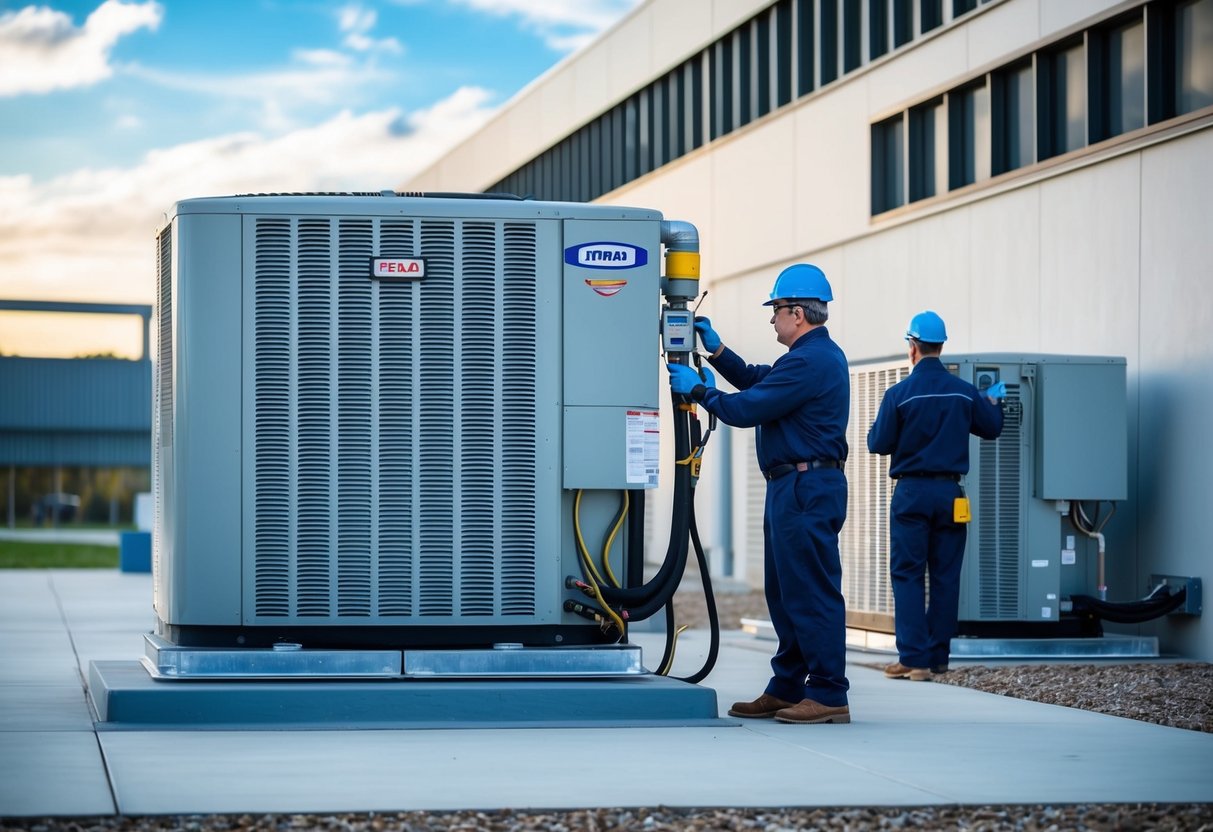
[(803, 582), (924, 538)]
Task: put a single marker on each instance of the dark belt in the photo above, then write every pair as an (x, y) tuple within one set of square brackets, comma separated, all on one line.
[(777, 471), (928, 475)]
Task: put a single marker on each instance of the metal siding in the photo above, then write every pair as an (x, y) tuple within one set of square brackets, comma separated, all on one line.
[(75, 411)]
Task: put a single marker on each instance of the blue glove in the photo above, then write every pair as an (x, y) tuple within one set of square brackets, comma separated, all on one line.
[(998, 391), (684, 379), (707, 335)]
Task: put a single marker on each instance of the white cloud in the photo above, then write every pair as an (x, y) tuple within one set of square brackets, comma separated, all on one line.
[(42, 50), (565, 26), (357, 22), (88, 235), (285, 97)]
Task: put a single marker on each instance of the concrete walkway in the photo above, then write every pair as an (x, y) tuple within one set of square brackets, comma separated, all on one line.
[(909, 743)]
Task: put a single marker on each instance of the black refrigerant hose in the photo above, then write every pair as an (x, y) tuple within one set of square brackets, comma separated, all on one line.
[(709, 597)]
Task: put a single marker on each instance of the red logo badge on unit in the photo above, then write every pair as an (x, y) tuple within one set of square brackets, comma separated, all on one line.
[(397, 268)]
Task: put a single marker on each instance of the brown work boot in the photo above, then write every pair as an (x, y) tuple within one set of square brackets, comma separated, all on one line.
[(809, 712), (764, 707), (897, 670)]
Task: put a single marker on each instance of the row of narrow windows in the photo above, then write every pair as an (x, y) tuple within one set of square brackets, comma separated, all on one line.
[(786, 51), (1138, 69)]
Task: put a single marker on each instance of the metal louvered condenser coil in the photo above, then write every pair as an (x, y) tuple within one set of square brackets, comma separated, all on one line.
[(1063, 440), (372, 413)]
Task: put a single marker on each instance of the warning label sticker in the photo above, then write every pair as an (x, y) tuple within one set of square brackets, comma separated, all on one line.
[(644, 446)]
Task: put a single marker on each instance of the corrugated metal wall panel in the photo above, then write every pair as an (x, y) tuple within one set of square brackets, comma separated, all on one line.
[(39, 449), (75, 394), (75, 411)]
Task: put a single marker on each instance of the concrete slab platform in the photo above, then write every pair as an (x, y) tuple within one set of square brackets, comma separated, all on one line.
[(52, 773), (125, 696)]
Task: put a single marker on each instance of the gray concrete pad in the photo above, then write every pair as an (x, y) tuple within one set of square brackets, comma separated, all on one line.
[(44, 708), (542, 768), (909, 743), (52, 773)]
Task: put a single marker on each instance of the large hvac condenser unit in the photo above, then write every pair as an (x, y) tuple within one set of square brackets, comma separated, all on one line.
[(1063, 452), (374, 415)]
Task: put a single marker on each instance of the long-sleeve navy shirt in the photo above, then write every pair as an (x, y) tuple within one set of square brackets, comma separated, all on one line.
[(800, 404), (925, 420)]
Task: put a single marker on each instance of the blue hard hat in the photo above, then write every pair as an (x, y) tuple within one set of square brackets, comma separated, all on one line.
[(927, 327), (802, 281)]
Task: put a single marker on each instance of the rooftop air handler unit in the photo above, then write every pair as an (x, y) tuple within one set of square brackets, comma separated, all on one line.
[(384, 419), (1035, 492)]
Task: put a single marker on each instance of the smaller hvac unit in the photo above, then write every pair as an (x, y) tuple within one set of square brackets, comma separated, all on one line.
[(1064, 446)]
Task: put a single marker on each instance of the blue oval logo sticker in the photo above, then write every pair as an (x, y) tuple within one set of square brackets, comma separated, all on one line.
[(606, 255)]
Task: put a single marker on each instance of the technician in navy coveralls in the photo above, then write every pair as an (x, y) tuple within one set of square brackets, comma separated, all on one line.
[(799, 406), (924, 421)]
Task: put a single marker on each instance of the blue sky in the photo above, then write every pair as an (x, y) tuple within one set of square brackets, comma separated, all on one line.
[(111, 111)]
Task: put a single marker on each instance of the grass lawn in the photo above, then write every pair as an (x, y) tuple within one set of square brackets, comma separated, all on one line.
[(20, 554)]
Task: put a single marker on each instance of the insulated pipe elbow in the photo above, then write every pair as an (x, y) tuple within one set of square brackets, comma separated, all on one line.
[(679, 235)]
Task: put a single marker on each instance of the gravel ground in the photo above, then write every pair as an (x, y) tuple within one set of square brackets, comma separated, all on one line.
[(1121, 817), (1175, 694)]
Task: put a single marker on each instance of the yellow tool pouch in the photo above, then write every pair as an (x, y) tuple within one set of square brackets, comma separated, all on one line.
[(960, 510)]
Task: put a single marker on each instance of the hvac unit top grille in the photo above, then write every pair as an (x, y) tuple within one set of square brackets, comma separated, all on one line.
[(393, 464)]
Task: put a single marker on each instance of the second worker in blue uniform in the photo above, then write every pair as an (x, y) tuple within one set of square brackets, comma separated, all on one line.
[(924, 422)]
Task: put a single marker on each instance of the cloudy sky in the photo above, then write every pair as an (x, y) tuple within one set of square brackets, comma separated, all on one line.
[(111, 111)]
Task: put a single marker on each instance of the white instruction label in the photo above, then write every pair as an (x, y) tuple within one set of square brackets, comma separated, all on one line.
[(1067, 557), (1037, 564), (644, 446), (1046, 612)]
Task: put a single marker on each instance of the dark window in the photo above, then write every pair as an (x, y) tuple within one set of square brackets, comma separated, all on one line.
[(564, 187), (1061, 90), (888, 165), (931, 14), (1013, 125), (657, 118), (695, 103), (676, 119), (722, 87), (878, 28), (928, 151), (829, 40), (744, 104), (1193, 40), (852, 35), (762, 64), (644, 110), (619, 147), (968, 135), (1116, 78), (783, 53), (903, 22), (597, 157), (631, 140), (805, 47), (960, 7)]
